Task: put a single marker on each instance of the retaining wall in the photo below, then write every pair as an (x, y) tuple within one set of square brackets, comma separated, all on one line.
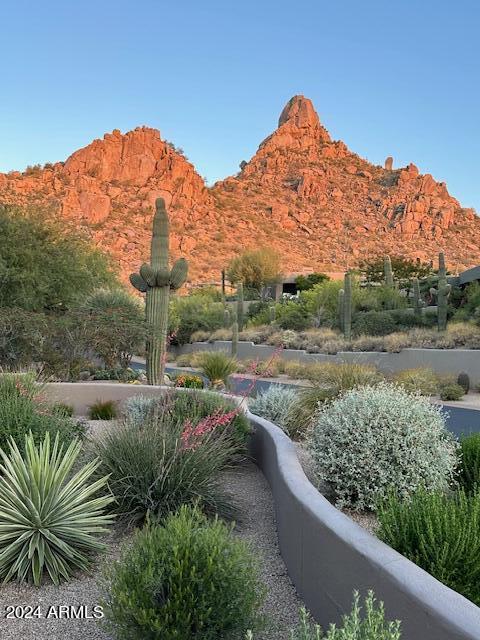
[(327, 555), (440, 360)]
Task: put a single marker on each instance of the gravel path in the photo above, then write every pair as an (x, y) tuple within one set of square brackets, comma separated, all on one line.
[(251, 492)]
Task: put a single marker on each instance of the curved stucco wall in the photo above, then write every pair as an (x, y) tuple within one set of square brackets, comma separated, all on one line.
[(328, 555)]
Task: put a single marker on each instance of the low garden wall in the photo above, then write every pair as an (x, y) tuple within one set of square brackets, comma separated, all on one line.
[(328, 555), (440, 360)]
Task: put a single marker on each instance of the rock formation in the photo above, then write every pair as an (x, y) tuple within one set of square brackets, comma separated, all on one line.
[(320, 205)]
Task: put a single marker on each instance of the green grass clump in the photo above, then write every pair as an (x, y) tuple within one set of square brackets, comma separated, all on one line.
[(440, 533), (187, 579), (421, 380), (217, 366), (103, 410), (469, 476), (451, 391)]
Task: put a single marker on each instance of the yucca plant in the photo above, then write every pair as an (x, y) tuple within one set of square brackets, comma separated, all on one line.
[(217, 366), (48, 520)]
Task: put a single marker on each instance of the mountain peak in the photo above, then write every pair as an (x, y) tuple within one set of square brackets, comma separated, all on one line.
[(300, 112)]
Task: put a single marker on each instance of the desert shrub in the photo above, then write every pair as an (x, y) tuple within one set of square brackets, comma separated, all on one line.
[(103, 410), (255, 268), (189, 381), (406, 319), (63, 409), (115, 324), (397, 341), (201, 336), (192, 406), (22, 336), (292, 315), (373, 323), (439, 532), (221, 334), (451, 391), (165, 462), (190, 314), (217, 366), (294, 369), (24, 409), (45, 266), (422, 379), (469, 476), (188, 578), (188, 359), (257, 334), (302, 411), (117, 373), (345, 375), (309, 281), (373, 439), (50, 522), (367, 343), (362, 623), (273, 404)]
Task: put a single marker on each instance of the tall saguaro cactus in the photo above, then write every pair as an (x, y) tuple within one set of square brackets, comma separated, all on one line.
[(441, 293), (341, 309), (240, 316), (387, 269), (347, 306), (417, 298), (156, 280)]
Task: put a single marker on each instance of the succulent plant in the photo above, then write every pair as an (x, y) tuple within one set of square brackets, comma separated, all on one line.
[(240, 316), (347, 306), (418, 303), (464, 381), (156, 280), (234, 339), (387, 268), (441, 293), (341, 308)]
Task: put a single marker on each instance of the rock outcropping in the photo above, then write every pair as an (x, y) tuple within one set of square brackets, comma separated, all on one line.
[(320, 205)]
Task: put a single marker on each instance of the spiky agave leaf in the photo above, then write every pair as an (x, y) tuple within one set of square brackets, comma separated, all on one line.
[(48, 522)]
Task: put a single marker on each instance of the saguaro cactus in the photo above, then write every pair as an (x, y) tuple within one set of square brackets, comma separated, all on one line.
[(240, 317), (156, 280), (235, 339), (341, 309), (387, 269), (417, 298), (347, 306), (441, 293)]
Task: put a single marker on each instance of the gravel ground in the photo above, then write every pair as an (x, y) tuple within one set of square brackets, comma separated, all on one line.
[(252, 494)]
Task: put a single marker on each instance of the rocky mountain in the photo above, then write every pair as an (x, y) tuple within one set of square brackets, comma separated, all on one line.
[(321, 206)]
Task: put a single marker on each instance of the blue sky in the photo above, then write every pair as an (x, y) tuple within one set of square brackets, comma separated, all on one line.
[(389, 78)]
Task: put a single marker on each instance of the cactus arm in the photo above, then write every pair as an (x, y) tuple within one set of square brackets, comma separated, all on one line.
[(442, 293), (341, 309), (160, 235), (235, 339), (347, 307), (387, 268), (240, 317)]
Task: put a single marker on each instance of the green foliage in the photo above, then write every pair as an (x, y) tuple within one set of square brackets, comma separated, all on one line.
[(217, 366), (451, 391), (49, 519), (187, 579), (103, 410), (439, 532), (442, 293), (304, 283), (115, 326), (303, 409), (194, 313), (117, 373), (23, 409), (255, 268), (273, 404), (422, 380), (63, 409), (373, 439), (42, 265), (404, 269), (22, 337), (469, 476), (321, 302), (292, 315), (374, 323), (156, 466), (343, 376)]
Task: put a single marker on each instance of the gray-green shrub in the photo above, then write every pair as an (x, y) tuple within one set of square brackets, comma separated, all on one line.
[(373, 439), (188, 579), (273, 404), (439, 532)]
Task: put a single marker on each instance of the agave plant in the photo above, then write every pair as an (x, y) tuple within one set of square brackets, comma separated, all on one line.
[(217, 366), (48, 520)]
